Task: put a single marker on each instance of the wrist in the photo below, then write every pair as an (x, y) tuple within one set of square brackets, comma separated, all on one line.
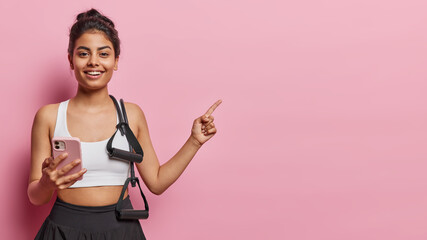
[(194, 142), (44, 184)]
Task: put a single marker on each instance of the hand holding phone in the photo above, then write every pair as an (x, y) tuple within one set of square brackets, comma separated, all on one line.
[(71, 146)]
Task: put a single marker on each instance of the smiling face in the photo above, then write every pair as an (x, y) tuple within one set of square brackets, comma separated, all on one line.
[(93, 60)]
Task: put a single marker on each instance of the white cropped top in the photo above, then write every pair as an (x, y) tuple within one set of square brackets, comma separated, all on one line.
[(101, 170)]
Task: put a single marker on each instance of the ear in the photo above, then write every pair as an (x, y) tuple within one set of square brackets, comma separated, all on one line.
[(70, 60), (116, 64)]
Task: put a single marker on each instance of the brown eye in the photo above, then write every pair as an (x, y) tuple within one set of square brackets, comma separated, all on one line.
[(83, 54), (104, 54)]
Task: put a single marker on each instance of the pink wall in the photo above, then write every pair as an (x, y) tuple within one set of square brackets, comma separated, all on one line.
[(322, 132)]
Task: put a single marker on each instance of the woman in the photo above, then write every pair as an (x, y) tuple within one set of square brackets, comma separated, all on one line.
[(85, 208)]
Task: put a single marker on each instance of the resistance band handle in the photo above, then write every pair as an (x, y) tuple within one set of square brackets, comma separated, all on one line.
[(132, 214), (125, 155)]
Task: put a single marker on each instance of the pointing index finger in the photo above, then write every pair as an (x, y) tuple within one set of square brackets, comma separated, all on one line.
[(212, 108)]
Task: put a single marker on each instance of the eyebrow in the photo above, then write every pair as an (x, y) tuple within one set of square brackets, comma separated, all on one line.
[(99, 49)]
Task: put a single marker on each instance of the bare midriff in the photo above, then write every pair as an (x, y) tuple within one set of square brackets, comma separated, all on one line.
[(91, 196)]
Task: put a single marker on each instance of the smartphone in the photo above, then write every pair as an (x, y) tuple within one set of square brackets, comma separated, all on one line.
[(70, 145)]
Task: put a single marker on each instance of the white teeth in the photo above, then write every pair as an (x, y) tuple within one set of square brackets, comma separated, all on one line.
[(93, 73)]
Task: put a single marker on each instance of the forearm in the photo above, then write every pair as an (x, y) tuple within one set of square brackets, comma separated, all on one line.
[(170, 171), (38, 193)]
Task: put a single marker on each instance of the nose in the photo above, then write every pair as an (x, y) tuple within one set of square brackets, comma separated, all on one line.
[(93, 60)]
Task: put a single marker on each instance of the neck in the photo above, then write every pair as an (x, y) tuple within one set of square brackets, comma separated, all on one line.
[(89, 98)]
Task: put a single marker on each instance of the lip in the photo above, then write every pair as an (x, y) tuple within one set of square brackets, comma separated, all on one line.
[(93, 76)]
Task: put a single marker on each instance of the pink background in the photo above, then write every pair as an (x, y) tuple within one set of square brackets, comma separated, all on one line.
[(322, 130)]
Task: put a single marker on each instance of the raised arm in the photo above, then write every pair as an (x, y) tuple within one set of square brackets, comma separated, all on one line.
[(159, 178)]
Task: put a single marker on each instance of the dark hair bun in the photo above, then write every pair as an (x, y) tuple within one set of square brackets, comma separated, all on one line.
[(93, 13), (93, 20)]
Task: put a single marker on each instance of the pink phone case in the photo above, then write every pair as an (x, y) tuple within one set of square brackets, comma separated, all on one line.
[(71, 145)]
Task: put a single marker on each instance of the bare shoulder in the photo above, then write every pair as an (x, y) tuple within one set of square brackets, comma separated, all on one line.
[(45, 121), (136, 116), (47, 114), (134, 112)]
